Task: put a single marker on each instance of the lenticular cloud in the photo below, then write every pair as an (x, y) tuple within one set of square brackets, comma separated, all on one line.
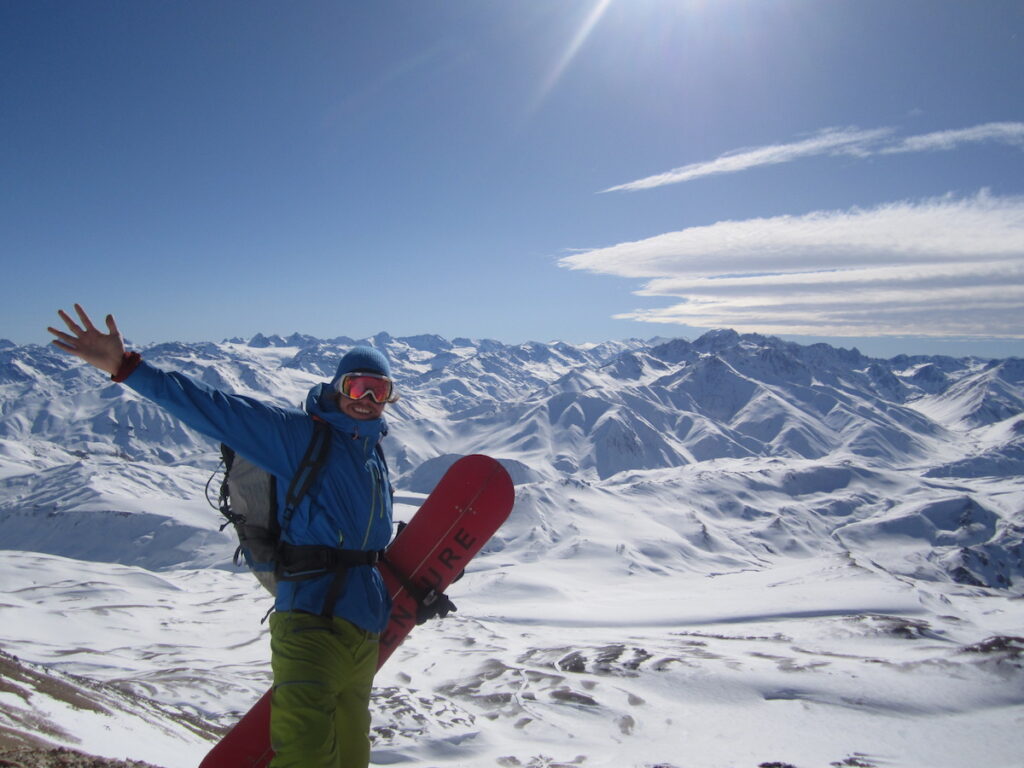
[(941, 267)]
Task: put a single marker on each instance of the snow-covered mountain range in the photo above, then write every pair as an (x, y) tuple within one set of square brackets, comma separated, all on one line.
[(705, 533)]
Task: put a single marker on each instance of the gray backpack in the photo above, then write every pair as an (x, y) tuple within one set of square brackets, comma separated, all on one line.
[(248, 501)]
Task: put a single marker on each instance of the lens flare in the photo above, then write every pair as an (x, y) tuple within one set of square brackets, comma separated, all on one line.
[(573, 48)]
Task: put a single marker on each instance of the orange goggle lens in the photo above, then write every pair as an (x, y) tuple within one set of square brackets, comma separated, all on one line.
[(359, 385)]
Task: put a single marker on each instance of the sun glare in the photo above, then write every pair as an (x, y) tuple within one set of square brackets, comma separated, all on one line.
[(578, 39)]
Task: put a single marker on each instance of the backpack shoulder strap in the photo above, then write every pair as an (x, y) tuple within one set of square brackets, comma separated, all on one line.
[(312, 462)]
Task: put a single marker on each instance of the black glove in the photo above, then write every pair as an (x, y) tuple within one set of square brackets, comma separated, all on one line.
[(434, 605), (401, 524)]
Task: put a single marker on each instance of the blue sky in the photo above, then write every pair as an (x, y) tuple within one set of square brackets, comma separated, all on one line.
[(849, 171)]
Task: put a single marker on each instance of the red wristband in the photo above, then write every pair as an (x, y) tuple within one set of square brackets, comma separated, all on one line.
[(129, 363)]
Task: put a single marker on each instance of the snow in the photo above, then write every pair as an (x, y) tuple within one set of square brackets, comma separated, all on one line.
[(728, 552)]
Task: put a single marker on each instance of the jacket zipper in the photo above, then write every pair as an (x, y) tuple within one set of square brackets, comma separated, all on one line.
[(375, 498)]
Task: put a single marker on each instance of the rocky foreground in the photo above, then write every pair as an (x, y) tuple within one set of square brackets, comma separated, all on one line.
[(28, 757)]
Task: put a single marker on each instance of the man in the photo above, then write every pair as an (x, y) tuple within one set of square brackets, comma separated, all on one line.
[(325, 628)]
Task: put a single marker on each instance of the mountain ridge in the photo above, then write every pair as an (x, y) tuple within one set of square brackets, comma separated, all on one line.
[(592, 414)]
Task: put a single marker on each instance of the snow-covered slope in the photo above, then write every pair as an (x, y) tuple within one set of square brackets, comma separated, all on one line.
[(43, 706), (724, 552)]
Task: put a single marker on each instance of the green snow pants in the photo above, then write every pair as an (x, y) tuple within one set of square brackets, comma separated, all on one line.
[(323, 673)]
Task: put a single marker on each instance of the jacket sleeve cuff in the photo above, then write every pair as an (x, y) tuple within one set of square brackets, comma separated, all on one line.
[(129, 363)]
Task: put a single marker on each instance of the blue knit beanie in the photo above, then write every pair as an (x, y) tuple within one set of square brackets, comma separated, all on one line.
[(365, 359)]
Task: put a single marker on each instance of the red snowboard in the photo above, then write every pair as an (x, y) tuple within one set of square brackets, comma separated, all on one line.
[(470, 503)]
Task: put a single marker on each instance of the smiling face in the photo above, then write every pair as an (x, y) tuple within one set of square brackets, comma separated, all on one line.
[(363, 409)]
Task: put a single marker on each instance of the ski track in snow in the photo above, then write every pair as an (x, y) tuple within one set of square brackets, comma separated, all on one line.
[(731, 552)]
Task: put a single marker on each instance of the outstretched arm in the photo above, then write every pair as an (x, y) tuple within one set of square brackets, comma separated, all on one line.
[(103, 350), (274, 438)]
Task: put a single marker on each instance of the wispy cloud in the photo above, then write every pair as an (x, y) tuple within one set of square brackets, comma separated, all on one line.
[(832, 141), (1005, 133), (944, 267)]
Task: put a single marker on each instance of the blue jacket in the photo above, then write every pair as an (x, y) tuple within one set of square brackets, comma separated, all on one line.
[(349, 505)]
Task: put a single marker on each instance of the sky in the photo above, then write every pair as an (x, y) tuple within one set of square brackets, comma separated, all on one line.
[(848, 171)]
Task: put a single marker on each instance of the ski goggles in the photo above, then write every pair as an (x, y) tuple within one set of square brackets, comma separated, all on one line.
[(373, 385)]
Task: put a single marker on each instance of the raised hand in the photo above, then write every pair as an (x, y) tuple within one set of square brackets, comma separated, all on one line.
[(103, 350)]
